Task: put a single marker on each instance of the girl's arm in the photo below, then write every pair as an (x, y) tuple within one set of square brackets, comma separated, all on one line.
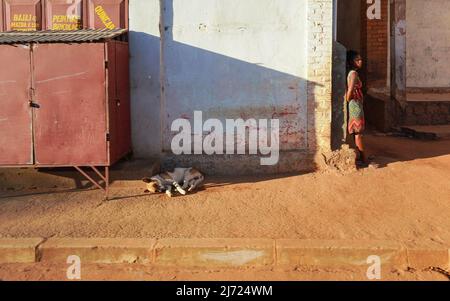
[(350, 86)]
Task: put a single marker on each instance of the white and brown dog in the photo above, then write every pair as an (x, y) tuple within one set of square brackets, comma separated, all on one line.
[(184, 180)]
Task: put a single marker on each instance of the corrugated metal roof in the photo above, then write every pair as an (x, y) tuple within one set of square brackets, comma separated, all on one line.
[(51, 36)]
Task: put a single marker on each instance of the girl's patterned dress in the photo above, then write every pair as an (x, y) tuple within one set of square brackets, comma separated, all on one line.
[(356, 121)]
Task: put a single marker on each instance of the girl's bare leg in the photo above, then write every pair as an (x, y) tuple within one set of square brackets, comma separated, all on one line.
[(360, 145)]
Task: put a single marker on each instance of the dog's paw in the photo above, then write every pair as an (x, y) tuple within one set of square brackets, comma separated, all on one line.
[(181, 190), (169, 194)]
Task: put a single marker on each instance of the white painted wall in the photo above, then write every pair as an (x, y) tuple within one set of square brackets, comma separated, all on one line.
[(428, 43), (228, 58), (236, 59), (145, 77)]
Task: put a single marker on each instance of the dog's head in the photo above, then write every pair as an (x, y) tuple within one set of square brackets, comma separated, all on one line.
[(152, 186)]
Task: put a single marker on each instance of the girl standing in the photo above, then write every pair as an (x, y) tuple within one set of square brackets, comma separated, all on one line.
[(355, 100)]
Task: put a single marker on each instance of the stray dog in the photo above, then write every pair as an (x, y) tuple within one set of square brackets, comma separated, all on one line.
[(184, 180)]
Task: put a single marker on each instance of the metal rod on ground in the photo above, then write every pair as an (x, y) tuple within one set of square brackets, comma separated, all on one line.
[(89, 178), (98, 173)]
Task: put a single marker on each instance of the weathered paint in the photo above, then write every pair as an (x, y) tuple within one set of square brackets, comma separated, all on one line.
[(15, 114), (1, 17), (30, 15), (232, 61), (398, 49), (64, 15), (428, 43), (70, 128), (233, 258), (111, 14), (23, 15)]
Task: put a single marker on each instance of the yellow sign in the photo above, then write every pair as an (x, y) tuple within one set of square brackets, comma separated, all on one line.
[(64, 22), (24, 22), (106, 20)]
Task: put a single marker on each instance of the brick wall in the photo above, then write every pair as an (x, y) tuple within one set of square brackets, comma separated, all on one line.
[(375, 46), (320, 22)]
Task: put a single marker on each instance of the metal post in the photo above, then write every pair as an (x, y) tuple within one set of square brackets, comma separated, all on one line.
[(106, 183)]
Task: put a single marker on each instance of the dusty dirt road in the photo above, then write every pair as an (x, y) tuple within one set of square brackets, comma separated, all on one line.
[(135, 272), (407, 199)]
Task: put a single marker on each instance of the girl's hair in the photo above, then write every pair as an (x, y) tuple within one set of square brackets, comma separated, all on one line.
[(351, 56)]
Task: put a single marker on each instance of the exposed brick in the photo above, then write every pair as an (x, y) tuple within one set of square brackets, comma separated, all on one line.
[(319, 73), (375, 45)]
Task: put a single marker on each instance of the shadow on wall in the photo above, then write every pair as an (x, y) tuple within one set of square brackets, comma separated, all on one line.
[(223, 87), (145, 94)]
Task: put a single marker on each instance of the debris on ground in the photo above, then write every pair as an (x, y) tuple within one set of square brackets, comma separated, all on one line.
[(343, 160)]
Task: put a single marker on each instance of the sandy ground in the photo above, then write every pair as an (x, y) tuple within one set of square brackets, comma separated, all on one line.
[(407, 199), (135, 272)]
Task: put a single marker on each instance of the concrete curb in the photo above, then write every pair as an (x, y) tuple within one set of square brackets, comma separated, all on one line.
[(223, 253), (22, 250)]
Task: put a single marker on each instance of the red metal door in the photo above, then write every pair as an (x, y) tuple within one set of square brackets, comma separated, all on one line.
[(16, 143), (70, 126), (112, 101), (123, 96), (111, 14), (119, 100), (23, 15)]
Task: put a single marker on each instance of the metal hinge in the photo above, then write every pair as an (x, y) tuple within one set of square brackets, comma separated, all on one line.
[(106, 64), (108, 138), (34, 104)]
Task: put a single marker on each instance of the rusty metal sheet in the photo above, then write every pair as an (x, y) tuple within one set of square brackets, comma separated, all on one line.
[(53, 36), (1, 17), (64, 14), (15, 114), (23, 15), (70, 125), (120, 120), (110, 14)]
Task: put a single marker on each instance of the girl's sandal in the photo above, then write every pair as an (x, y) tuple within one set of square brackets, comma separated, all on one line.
[(361, 164)]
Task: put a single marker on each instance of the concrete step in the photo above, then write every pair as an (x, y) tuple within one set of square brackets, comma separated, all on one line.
[(428, 97), (427, 132), (124, 174)]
